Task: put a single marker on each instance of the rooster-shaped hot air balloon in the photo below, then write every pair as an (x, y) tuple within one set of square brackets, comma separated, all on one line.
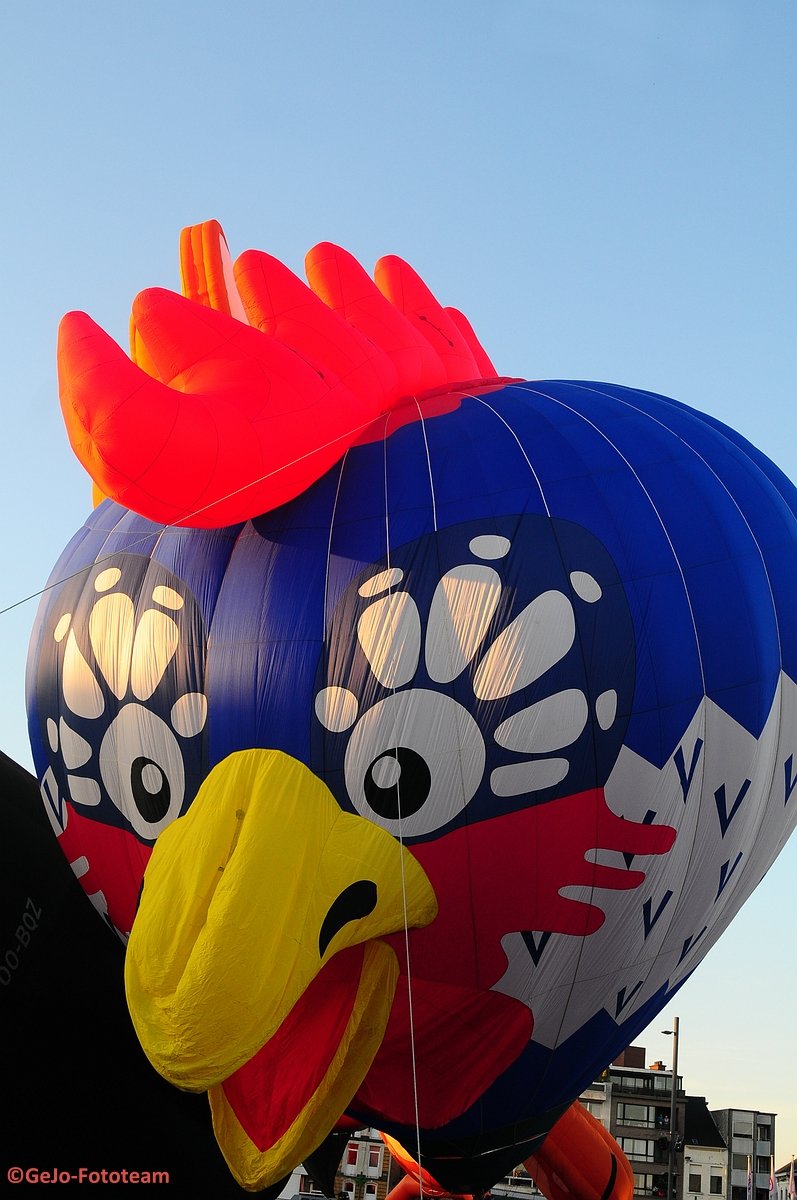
[(422, 728)]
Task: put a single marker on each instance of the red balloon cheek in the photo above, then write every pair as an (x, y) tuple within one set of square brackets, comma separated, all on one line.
[(109, 863), (505, 875)]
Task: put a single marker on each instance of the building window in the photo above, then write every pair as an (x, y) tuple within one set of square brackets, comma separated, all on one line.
[(739, 1162), (655, 1081), (375, 1158), (635, 1114), (695, 1181), (647, 1116), (743, 1128), (763, 1133), (650, 1185), (370, 1191), (638, 1148), (762, 1165), (716, 1187), (351, 1154)]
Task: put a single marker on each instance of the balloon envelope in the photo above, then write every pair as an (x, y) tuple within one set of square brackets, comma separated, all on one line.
[(532, 647)]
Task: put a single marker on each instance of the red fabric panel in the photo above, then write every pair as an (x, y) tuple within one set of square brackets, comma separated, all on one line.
[(508, 872), (268, 1092), (283, 306), (343, 284), (444, 1015), (405, 289), (121, 860), (483, 362)]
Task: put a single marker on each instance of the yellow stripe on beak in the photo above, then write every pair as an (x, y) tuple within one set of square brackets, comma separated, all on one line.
[(245, 898)]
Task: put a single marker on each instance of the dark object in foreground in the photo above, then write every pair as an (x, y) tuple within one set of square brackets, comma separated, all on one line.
[(80, 1093)]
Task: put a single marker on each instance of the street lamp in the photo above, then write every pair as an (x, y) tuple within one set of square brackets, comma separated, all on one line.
[(673, 1093)]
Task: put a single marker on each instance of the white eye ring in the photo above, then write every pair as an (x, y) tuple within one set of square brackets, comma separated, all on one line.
[(138, 740), (433, 727)]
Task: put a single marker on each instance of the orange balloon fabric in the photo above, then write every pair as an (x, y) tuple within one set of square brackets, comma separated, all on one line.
[(417, 1180), (580, 1160)]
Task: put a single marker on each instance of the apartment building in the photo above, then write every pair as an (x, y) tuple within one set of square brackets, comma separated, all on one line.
[(749, 1137)]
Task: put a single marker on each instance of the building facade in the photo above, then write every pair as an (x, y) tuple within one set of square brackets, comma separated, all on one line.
[(366, 1172), (749, 1137), (634, 1103)]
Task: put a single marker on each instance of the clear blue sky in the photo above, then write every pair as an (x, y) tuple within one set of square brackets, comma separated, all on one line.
[(606, 187)]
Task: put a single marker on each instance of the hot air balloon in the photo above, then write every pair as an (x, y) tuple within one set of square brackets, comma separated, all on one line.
[(419, 728)]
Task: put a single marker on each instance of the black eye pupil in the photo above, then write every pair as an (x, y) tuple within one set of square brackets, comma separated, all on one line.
[(150, 788), (411, 782)]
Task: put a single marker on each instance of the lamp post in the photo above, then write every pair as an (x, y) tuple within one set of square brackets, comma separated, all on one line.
[(673, 1094)]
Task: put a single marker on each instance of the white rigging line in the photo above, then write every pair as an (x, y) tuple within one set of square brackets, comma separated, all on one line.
[(159, 528), (410, 1002)]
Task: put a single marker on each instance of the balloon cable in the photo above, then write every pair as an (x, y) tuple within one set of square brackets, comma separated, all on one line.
[(162, 527), (400, 838)]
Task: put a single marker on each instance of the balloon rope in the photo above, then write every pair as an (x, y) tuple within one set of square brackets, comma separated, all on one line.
[(156, 531), (164, 526), (345, 436), (187, 516), (411, 1015)]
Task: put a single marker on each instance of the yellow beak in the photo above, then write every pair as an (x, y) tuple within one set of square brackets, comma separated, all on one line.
[(246, 898)]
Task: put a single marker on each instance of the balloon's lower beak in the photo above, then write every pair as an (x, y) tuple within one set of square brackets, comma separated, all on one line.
[(252, 968)]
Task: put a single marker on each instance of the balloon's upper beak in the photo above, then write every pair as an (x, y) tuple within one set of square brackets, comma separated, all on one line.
[(247, 900)]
